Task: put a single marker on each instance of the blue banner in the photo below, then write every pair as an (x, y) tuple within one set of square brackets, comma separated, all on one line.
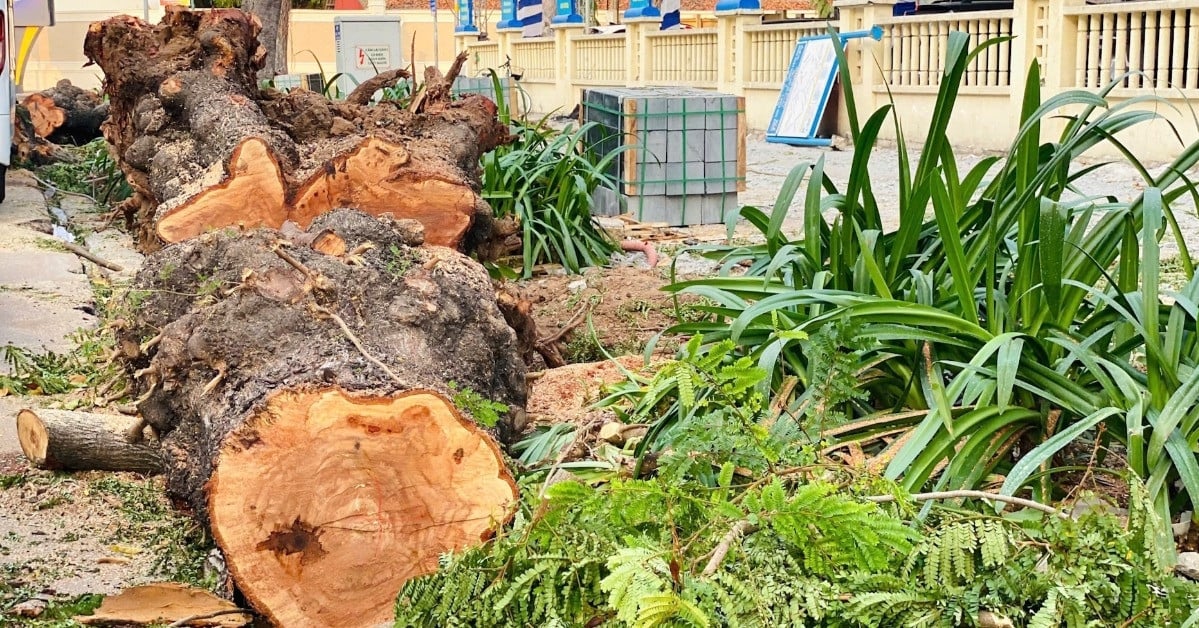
[(567, 13)]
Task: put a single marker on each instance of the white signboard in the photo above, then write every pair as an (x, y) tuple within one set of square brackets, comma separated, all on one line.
[(376, 58), (805, 91)]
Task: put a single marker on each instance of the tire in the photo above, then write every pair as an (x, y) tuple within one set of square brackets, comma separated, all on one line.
[(3, 182)]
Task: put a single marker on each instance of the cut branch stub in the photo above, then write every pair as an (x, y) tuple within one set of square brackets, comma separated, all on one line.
[(388, 484)]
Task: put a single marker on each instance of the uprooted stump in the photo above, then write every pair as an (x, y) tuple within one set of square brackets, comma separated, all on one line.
[(66, 114), (204, 148), (302, 399)]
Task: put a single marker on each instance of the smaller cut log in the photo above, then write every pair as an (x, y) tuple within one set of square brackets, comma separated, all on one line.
[(63, 440), (29, 148), (66, 114)]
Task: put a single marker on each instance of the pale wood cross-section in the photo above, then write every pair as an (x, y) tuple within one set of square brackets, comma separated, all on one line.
[(325, 502)]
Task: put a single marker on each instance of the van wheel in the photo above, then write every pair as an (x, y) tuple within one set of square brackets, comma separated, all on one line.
[(3, 177)]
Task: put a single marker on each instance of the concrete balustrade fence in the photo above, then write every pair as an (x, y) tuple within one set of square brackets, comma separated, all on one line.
[(1149, 47)]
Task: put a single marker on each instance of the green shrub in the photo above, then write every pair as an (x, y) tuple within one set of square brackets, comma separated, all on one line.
[(544, 180), (1017, 315), (643, 553)]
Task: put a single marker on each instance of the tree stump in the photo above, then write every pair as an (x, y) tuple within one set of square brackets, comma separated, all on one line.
[(204, 148), (65, 114), (302, 392)]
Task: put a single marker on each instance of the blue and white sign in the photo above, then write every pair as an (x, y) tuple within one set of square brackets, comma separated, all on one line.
[(671, 14), (807, 87)]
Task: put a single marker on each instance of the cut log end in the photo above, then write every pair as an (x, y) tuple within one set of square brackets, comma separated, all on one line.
[(33, 437), (374, 178), (46, 115), (251, 196), (63, 440), (325, 503)]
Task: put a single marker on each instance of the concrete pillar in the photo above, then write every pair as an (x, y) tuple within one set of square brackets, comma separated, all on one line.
[(635, 46), (564, 72), (733, 70)]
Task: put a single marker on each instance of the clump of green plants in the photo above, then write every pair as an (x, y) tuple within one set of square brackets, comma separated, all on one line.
[(50, 373), (543, 180), (484, 411), (94, 173), (1003, 320), (789, 551)]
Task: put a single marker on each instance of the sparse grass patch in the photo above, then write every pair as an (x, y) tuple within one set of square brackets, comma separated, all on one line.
[(178, 543)]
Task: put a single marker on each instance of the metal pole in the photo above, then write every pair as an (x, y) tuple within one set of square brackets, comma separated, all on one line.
[(436, 28), (146, 10)]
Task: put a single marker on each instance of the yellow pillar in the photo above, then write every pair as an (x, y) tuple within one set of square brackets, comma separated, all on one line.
[(635, 49), (733, 70), (564, 68)]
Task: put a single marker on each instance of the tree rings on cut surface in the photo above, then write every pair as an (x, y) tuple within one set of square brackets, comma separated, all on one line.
[(326, 502)]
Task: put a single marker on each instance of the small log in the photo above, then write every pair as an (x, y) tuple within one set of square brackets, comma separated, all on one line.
[(64, 440), (29, 148), (65, 114)]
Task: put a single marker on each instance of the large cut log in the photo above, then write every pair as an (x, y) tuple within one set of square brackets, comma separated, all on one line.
[(204, 148), (66, 114), (301, 383), (63, 440)]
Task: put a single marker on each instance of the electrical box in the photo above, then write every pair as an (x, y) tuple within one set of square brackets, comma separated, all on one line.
[(366, 46)]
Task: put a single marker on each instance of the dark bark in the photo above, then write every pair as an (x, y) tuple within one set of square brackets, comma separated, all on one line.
[(228, 304)]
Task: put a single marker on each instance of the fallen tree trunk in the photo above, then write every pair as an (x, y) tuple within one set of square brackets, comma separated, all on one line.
[(203, 148), (65, 114), (302, 400), (63, 440)]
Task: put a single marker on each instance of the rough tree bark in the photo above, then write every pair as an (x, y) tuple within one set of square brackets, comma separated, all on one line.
[(63, 440), (65, 114), (203, 148), (301, 398), (275, 16)]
